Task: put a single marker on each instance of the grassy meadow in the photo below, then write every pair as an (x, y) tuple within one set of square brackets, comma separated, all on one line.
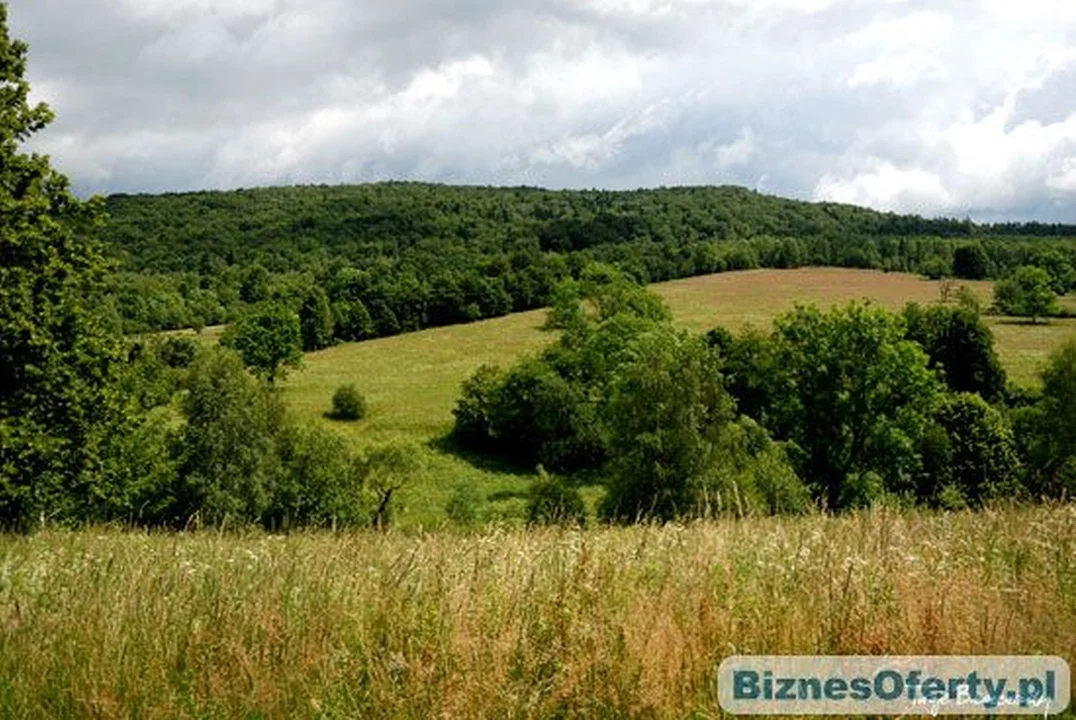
[(411, 381), (608, 622)]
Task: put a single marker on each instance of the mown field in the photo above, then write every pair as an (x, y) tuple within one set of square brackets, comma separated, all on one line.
[(411, 381), (608, 622)]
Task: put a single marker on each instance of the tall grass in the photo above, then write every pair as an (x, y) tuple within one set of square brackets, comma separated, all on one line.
[(509, 623)]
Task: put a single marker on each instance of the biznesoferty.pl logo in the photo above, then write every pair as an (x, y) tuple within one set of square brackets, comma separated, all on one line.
[(874, 685)]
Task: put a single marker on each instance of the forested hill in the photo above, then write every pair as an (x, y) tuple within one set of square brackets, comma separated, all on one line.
[(434, 254), (289, 228)]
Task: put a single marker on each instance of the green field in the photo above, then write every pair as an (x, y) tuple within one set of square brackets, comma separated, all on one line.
[(411, 381)]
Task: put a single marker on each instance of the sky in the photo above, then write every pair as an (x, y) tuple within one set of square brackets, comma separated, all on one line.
[(938, 107)]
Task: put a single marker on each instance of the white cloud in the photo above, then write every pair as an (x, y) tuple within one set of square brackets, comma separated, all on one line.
[(887, 187), (738, 152), (947, 106)]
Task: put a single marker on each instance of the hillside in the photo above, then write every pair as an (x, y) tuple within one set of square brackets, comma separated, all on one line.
[(412, 381), (395, 257)]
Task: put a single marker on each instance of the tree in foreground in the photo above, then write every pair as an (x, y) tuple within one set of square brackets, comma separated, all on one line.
[(1028, 292), (58, 354), (667, 411)]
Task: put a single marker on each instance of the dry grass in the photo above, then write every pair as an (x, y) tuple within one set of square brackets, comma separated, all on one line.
[(608, 622)]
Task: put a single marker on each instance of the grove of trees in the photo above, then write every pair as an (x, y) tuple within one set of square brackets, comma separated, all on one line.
[(836, 409)]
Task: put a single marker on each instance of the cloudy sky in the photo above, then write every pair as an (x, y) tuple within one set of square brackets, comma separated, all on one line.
[(954, 107)]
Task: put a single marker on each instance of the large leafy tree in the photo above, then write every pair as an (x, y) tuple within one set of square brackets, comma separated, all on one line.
[(961, 345), (853, 395), (667, 411), (269, 339), (57, 353)]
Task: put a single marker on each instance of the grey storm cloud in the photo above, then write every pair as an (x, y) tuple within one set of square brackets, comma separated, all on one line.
[(948, 107)]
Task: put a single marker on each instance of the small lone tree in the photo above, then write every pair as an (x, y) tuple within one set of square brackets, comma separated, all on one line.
[(269, 341), (1028, 292), (348, 404)]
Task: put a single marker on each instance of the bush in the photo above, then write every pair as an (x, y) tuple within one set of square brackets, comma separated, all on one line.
[(229, 461), (462, 507), (553, 502), (983, 463), (348, 404), (177, 352), (1028, 292), (474, 409), (935, 268), (322, 482), (959, 344)]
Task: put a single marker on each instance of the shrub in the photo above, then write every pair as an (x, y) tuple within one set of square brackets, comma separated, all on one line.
[(553, 502), (348, 404), (935, 268), (229, 461), (322, 482), (980, 450), (462, 507), (474, 409), (960, 344), (177, 352), (1028, 292)]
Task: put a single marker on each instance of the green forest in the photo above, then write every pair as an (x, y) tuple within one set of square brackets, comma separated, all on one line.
[(395, 257)]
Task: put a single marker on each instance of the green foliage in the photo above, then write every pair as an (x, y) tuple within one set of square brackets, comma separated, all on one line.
[(462, 507), (539, 416), (959, 344), (753, 476), (978, 458), (851, 394), (177, 352), (1028, 292), (971, 262), (554, 502), (935, 268), (316, 320), (229, 457), (348, 404), (352, 320), (58, 354), (1049, 427), (322, 482), (474, 411), (414, 255), (386, 469), (269, 340), (548, 410), (667, 411)]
